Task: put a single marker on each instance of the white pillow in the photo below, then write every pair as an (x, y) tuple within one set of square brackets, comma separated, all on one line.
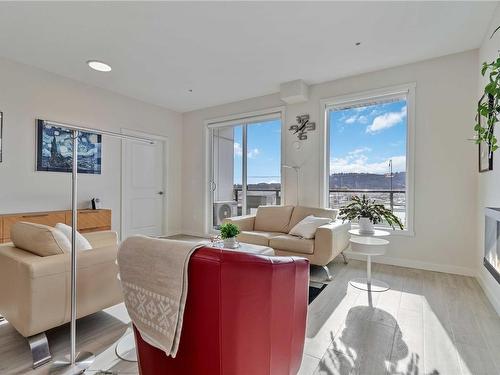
[(81, 242), (306, 228)]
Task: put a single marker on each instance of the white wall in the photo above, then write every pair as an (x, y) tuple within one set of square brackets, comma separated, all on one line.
[(445, 165), (27, 93), (488, 182)]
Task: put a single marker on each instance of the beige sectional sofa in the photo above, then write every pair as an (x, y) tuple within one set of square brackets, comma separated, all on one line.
[(35, 289), (271, 224)]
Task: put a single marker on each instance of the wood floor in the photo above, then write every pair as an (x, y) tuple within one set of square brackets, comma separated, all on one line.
[(428, 323)]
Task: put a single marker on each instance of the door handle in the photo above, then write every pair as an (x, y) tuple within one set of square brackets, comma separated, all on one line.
[(160, 192)]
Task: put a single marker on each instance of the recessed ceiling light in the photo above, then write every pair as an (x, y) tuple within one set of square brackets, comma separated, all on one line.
[(357, 43), (99, 66)]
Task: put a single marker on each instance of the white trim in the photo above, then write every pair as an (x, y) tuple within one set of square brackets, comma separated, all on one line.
[(255, 116), (166, 150), (408, 263), (233, 119), (407, 89), (492, 296), (244, 169)]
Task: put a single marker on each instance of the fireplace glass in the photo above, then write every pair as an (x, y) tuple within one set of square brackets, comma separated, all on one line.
[(492, 242)]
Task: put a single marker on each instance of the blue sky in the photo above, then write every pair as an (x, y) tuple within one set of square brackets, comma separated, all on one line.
[(364, 139), (263, 150)]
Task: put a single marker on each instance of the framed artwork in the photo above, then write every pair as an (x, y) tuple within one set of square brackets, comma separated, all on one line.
[(1, 135), (55, 149), (485, 154), (485, 157)]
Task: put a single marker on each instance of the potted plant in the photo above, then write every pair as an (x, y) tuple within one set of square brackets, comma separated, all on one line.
[(368, 213), (228, 233)]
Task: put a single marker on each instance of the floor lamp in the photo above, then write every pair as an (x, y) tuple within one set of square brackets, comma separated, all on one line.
[(76, 363), (297, 171)]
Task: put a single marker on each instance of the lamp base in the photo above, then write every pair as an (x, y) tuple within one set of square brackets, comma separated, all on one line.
[(83, 361), (125, 349)]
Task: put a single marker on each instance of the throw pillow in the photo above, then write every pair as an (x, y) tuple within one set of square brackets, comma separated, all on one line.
[(306, 228), (81, 242), (39, 239)]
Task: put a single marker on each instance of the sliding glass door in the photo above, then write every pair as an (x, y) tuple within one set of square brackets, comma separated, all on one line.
[(245, 166)]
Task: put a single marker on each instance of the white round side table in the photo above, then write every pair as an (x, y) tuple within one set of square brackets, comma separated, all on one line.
[(369, 246), (376, 233)]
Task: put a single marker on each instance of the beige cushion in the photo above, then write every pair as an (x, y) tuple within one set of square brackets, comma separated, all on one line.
[(39, 239), (34, 290), (306, 228), (292, 243), (81, 242), (300, 212), (273, 218), (102, 239), (257, 238)]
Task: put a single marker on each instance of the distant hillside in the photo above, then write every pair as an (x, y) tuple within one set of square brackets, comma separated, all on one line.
[(261, 186), (349, 181), (367, 181)]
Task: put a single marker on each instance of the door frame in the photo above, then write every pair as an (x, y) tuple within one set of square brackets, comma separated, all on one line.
[(156, 138), (241, 117)]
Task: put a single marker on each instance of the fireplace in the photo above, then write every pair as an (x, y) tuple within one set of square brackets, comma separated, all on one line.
[(492, 241)]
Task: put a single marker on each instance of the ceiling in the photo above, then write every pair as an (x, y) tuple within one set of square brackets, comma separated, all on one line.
[(230, 51)]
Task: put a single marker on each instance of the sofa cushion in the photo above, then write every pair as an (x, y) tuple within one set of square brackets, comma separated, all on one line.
[(39, 239), (291, 243), (273, 218), (300, 212), (257, 238), (81, 242), (306, 228)]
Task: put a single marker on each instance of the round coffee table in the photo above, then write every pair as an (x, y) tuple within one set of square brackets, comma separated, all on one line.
[(369, 246)]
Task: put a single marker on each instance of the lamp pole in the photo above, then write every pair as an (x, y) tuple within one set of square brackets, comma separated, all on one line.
[(77, 363), (296, 169)]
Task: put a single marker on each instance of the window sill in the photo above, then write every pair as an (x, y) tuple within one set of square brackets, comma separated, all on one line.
[(393, 232)]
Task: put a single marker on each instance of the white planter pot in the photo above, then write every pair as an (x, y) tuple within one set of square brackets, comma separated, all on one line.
[(365, 226), (230, 243)]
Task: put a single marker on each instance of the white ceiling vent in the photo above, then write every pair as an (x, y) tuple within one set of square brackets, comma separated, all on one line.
[(294, 92)]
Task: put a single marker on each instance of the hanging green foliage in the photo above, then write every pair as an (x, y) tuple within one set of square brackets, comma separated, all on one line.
[(488, 107)]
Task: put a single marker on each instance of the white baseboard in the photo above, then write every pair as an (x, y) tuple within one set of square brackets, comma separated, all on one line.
[(408, 263), (492, 296), (195, 234)]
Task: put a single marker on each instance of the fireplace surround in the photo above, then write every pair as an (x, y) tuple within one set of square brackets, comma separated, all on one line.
[(492, 241)]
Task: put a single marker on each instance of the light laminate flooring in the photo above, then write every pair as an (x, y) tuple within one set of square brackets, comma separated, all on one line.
[(428, 323)]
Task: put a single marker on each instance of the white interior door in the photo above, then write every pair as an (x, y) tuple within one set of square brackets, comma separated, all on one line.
[(143, 188)]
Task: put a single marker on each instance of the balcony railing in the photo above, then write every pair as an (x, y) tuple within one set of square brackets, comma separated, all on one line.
[(256, 198), (392, 199), (395, 200)]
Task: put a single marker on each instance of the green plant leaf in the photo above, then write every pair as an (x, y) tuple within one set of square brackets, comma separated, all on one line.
[(229, 230)]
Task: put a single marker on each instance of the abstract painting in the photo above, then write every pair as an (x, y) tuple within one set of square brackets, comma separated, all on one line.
[(55, 149)]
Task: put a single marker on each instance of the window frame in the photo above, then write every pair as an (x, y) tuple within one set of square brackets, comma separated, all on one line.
[(236, 119), (326, 104)]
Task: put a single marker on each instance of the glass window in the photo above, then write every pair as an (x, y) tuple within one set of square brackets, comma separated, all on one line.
[(246, 167), (368, 152)]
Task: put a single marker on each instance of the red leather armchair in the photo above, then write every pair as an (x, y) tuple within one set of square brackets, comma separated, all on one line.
[(245, 315)]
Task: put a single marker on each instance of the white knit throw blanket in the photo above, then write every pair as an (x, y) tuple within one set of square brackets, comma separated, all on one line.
[(153, 274)]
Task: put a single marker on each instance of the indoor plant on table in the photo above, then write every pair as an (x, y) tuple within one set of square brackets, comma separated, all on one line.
[(368, 213), (228, 233)]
